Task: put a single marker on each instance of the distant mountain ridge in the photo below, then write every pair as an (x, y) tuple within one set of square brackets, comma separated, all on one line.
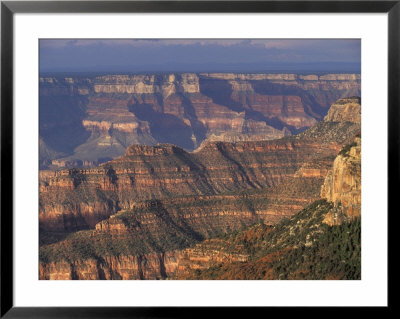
[(273, 67), (88, 120)]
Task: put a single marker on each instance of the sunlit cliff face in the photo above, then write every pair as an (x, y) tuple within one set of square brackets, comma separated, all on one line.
[(141, 215), (87, 120)]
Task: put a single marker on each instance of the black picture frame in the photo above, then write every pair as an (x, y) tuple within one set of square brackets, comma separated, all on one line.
[(9, 8)]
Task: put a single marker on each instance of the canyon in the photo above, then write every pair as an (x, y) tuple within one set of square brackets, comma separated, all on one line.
[(87, 120), (254, 252), (162, 212)]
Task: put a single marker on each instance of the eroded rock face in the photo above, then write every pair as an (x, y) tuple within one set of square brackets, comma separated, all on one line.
[(78, 198), (156, 200), (342, 184), (151, 266), (203, 215), (345, 110), (85, 121)]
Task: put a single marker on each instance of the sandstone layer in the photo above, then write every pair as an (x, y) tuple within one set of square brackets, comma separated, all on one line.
[(131, 217), (78, 198), (85, 121), (236, 256), (232, 257), (342, 185)]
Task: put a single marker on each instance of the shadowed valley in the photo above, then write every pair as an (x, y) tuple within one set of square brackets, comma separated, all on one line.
[(227, 210), (87, 120)]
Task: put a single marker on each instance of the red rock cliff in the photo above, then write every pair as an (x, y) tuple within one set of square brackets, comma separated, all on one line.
[(86, 121)]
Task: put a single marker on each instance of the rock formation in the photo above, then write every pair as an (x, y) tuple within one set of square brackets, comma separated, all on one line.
[(235, 256), (342, 184), (301, 247), (345, 110), (131, 218), (85, 121), (232, 257), (78, 198)]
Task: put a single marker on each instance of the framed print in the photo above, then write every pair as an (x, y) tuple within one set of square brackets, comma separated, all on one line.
[(164, 155)]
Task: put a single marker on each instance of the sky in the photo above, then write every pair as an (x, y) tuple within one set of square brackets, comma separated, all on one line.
[(200, 55)]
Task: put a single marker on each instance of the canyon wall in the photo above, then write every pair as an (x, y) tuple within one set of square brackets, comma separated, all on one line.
[(342, 185), (235, 256), (76, 199), (85, 120), (131, 218), (151, 266)]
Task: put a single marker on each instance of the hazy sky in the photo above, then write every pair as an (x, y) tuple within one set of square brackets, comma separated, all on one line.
[(199, 55)]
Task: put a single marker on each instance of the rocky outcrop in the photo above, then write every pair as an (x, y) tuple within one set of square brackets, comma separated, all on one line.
[(302, 247), (283, 77), (142, 215), (235, 251), (176, 223), (78, 198), (151, 266), (342, 184), (345, 110), (85, 121), (232, 257), (248, 182)]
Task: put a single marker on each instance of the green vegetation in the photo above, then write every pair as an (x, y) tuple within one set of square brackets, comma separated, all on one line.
[(326, 131), (302, 227), (111, 174), (301, 247), (76, 176), (50, 237), (346, 149), (167, 228), (354, 99), (136, 234), (335, 254), (87, 244)]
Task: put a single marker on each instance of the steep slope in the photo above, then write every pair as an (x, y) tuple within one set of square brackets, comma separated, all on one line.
[(302, 247), (89, 120), (79, 198), (323, 241), (163, 199), (342, 185)]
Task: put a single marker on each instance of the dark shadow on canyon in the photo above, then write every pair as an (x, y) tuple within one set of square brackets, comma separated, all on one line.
[(165, 128), (60, 123)]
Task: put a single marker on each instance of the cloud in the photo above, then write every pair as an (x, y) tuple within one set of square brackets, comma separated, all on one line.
[(278, 44), (59, 43), (54, 43), (91, 53)]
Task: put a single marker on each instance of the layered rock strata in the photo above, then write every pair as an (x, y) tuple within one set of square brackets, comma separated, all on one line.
[(144, 207), (79, 198), (231, 259), (88, 120), (151, 266), (342, 185)]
